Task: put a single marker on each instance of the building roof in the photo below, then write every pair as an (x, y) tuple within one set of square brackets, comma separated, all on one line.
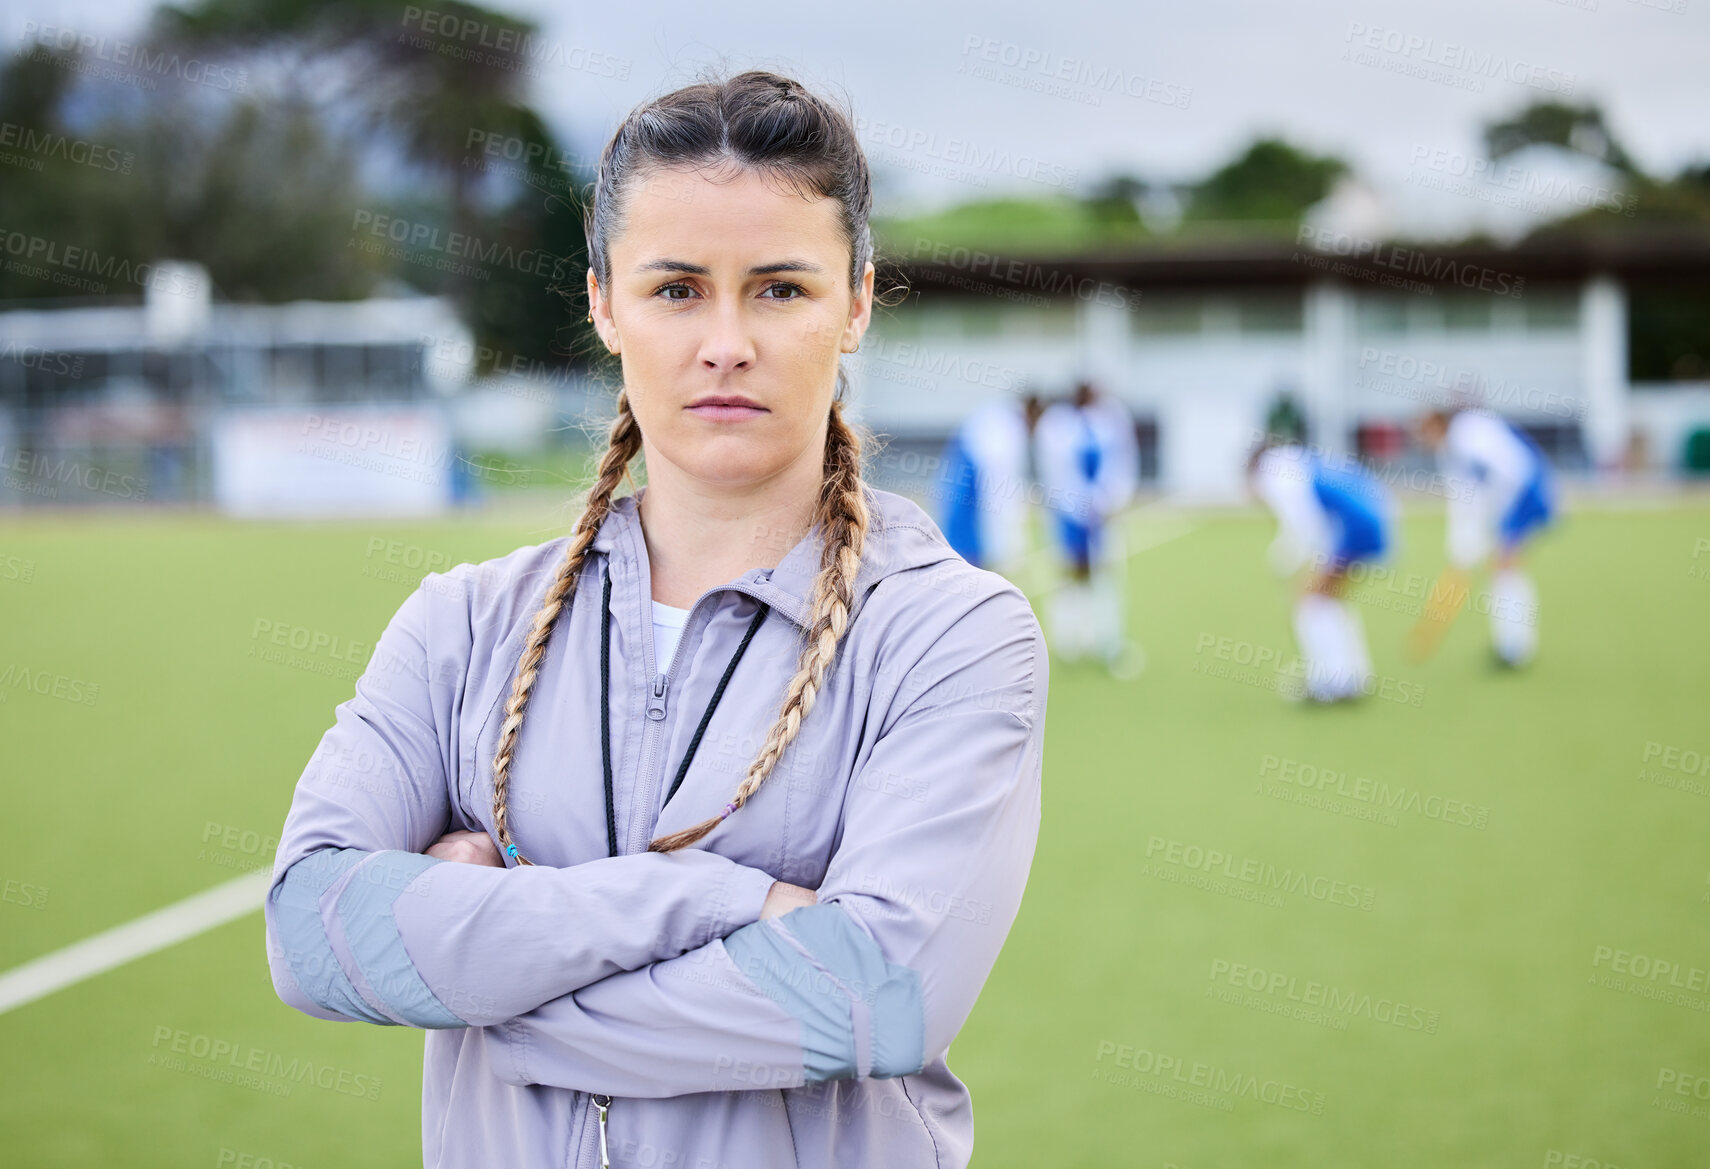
[(1663, 253), (108, 328)]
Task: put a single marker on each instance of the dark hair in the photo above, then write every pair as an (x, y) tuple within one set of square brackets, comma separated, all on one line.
[(756, 121)]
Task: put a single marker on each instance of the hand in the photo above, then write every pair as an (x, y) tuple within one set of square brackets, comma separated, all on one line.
[(782, 898), (471, 848)]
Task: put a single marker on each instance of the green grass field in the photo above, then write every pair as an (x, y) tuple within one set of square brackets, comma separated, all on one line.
[(1124, 1023)]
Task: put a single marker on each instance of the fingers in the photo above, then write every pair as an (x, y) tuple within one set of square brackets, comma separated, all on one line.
[(470, 848), (784, 897)]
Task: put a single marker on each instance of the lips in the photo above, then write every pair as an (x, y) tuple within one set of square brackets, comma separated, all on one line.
[(726, 408)]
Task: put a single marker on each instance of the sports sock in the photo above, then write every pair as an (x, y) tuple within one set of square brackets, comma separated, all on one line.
[(1069, 620), (1357, 658), (1513, 616), (1104, 606), (1318, 627)]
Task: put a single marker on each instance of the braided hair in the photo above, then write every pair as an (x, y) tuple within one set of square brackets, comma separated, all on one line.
[(772, 123)]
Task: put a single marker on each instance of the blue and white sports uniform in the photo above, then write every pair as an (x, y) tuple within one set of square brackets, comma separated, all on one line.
[(1498, 483), (1332, 514), (1089, 466), (1500, 490), (983, 481)]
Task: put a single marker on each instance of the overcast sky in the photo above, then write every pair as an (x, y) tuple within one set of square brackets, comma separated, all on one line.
[(987, 95)]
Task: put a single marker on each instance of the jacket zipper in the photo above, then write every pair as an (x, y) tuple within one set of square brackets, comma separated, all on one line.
[(658, 695), (659, 691), (602, 1103)]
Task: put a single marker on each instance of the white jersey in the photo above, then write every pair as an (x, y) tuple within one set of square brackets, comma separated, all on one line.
[(1485, 465), (994, 437), (1283, 479), (1068, 439)]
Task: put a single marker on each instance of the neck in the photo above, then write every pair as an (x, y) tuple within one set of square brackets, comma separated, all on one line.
[(701, 535)]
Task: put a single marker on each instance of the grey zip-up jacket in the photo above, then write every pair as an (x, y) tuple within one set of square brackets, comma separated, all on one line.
[(910, 800)]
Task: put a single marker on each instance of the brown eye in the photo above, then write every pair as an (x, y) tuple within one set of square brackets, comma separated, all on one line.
[(797, 289), (674, 288)]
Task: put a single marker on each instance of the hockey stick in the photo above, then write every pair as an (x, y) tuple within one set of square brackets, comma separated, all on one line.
[(1442, 605)]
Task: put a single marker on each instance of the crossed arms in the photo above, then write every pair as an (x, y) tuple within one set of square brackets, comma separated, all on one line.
[(656, 974)]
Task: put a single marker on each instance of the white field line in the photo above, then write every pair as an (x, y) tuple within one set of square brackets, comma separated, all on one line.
[(135, 939)]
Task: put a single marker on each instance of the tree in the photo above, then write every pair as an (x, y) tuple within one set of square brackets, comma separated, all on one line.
[(429, 86), (1271, 181), (1115, 201), (425, 87), (176, 175), (1580, 129)]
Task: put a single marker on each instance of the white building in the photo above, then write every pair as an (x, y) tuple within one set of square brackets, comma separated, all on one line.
[(301, 408), (1365, 335)]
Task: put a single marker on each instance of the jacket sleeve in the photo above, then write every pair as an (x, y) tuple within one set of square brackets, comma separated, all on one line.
[(361, 925), (940, 824)]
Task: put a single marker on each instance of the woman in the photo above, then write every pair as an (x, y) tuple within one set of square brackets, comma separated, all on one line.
[(726, 905), (1331, 516), (1501, 495)]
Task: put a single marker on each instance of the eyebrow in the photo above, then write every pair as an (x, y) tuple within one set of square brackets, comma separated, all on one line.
[(702, 270)]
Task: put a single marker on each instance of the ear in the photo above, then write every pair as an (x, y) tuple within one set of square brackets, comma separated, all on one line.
[(860, 312), (600, 313)]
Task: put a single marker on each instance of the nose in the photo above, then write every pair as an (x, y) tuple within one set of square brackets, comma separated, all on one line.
[(728, 346)]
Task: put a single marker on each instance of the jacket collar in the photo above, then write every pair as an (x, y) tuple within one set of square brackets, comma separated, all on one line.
[(900, 536)]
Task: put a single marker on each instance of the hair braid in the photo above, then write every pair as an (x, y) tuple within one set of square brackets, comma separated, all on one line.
[(622, 444), (841, 513), (774, 126)]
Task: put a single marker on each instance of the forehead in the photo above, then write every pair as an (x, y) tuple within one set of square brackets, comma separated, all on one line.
[(735, 212)]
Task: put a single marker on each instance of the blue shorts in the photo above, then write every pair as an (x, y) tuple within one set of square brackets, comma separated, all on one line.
[(1532, 509), (1080, 541), (1359, 530)]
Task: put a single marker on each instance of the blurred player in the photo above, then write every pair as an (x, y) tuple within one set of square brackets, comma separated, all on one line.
[(1329, 516), (1089, 466), (984, 510), (1500, 492)]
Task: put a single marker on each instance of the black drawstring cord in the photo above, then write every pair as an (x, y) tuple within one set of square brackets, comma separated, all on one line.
[(606, 709), (694, 743), (606, 706)]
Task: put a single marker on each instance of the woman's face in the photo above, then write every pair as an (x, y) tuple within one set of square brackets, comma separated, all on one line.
[(729, 304)]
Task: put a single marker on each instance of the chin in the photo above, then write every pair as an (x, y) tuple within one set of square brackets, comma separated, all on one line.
[(734, 468)]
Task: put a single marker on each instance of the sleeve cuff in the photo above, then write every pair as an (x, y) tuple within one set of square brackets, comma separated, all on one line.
[(738, 902), (504, 1052)]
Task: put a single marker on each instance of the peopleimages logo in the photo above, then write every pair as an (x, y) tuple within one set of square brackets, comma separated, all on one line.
[(79, 151), (1055, 75), (1218, 1081), (126, 56), (1423, 380), (1025, 274), (1412, 261), (1312, 993), (1431, 59), (1377, 793), (256, 1067), (1257, 873), (1440, 168), (945, 155)]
